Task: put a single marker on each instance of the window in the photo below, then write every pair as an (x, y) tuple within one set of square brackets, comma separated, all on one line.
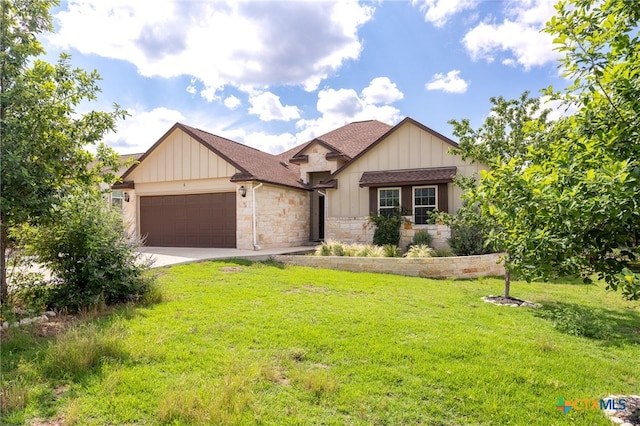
[(425, 200), (116, 199), (388, 200)]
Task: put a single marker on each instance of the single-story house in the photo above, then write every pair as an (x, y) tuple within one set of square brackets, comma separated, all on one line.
[(196, 189)]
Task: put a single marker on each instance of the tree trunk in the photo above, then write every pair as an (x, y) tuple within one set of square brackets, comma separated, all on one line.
[(4, 295), (507, 282)]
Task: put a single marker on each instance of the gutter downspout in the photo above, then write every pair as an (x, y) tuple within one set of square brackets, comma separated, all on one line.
[(255, 233)]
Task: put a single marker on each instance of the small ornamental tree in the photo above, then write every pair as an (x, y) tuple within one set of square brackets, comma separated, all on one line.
[(512, 128)]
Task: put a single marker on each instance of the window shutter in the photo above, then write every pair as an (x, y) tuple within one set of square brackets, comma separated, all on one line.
[(443, 197), (373, 200)]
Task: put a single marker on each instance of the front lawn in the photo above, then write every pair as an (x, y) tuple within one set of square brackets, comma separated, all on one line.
[(242, 343)]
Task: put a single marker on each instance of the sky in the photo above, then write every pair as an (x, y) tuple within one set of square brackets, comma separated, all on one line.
[(275, 74)]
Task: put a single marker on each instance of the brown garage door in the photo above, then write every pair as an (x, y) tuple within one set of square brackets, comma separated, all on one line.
[(199, 220)]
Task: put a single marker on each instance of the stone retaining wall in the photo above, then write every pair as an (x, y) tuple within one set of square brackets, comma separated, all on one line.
[(430, 267)]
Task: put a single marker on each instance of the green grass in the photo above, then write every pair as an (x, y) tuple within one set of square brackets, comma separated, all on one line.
[(242, 343)]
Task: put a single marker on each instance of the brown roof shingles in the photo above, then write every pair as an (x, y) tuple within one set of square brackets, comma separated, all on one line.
[(252, 163), (348, 140), (408, 177)]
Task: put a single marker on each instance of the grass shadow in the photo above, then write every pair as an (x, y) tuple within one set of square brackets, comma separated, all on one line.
[(612, 327)]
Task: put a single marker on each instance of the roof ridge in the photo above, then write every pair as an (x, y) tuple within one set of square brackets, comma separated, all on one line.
[(227, 139)]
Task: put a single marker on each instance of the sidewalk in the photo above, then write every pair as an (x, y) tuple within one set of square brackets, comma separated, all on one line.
[(165, 256)]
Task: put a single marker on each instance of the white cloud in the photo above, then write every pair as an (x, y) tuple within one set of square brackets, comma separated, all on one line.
[(232, 102), (450, 83), (252, 44), (274, 144), (381, 91), (142, 129), (557, 108), (343, 106), (438, 12), (268, 107), (519, 35)]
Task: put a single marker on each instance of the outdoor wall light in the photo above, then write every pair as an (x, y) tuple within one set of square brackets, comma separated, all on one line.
[(243, 191), (126, 197)]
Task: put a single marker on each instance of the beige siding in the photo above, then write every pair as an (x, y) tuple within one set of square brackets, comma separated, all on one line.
[(409, 147), (181, 158)]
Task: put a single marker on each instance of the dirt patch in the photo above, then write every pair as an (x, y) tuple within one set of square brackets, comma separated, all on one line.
[(55, 422), (54, 326), (231, 269)]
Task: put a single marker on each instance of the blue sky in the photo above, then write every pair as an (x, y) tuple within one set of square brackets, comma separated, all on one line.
[(274, 74)]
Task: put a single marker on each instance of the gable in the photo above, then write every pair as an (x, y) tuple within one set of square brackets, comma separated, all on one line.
[(179, 156), (409, 146)]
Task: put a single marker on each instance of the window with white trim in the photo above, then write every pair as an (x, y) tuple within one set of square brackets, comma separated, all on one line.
[(388, 200), (425, 200), (116, 199)]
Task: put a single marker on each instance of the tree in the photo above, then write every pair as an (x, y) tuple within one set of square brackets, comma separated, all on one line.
[(511, 130), (570, 204), (44, 141)]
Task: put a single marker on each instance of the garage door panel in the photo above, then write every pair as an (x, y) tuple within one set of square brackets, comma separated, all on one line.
[(198, 220)]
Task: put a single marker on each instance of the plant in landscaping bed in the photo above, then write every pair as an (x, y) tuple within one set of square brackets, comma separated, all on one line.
[(420, 250), (421, 238), (387, 227)]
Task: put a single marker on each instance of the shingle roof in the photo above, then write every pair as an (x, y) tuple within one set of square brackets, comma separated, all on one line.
[(350, 139), (253, 164), (409, 176)]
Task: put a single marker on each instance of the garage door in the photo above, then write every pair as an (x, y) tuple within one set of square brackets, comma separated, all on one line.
[(199, 220)]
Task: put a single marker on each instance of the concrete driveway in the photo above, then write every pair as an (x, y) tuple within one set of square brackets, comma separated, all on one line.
[(165, 256)]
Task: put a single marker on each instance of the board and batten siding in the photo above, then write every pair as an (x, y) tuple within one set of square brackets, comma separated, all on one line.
[(409, 147), (181, 158)]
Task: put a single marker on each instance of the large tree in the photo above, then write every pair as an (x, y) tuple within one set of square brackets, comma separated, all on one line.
[(43, 139), (570, 205)]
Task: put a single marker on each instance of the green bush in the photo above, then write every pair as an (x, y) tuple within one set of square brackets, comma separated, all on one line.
[(469, 231), (391, 250), (577, 321), (387, 228), (92, 258), (467, 240), (421, 238)]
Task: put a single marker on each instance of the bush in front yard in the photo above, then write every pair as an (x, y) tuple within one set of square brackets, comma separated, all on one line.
[(92, 258)]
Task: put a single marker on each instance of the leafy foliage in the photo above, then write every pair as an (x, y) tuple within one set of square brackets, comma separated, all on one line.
[(421, 238), (44, 139), (387, 227), (570, 203), (91, 256)]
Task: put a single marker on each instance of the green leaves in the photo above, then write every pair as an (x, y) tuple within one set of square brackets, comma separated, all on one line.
[(565, 196)]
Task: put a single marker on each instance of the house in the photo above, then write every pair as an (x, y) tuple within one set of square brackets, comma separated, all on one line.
[(196, 189)]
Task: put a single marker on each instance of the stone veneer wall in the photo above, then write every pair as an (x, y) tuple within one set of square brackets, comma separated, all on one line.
[(282, 217), (359, 230), (430, 267)]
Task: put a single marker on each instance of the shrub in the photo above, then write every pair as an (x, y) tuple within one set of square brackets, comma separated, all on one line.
[(387, 228), (420, 250), (93, 259), (422, 237), (577, 321), (469, 231), (391, 250)]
